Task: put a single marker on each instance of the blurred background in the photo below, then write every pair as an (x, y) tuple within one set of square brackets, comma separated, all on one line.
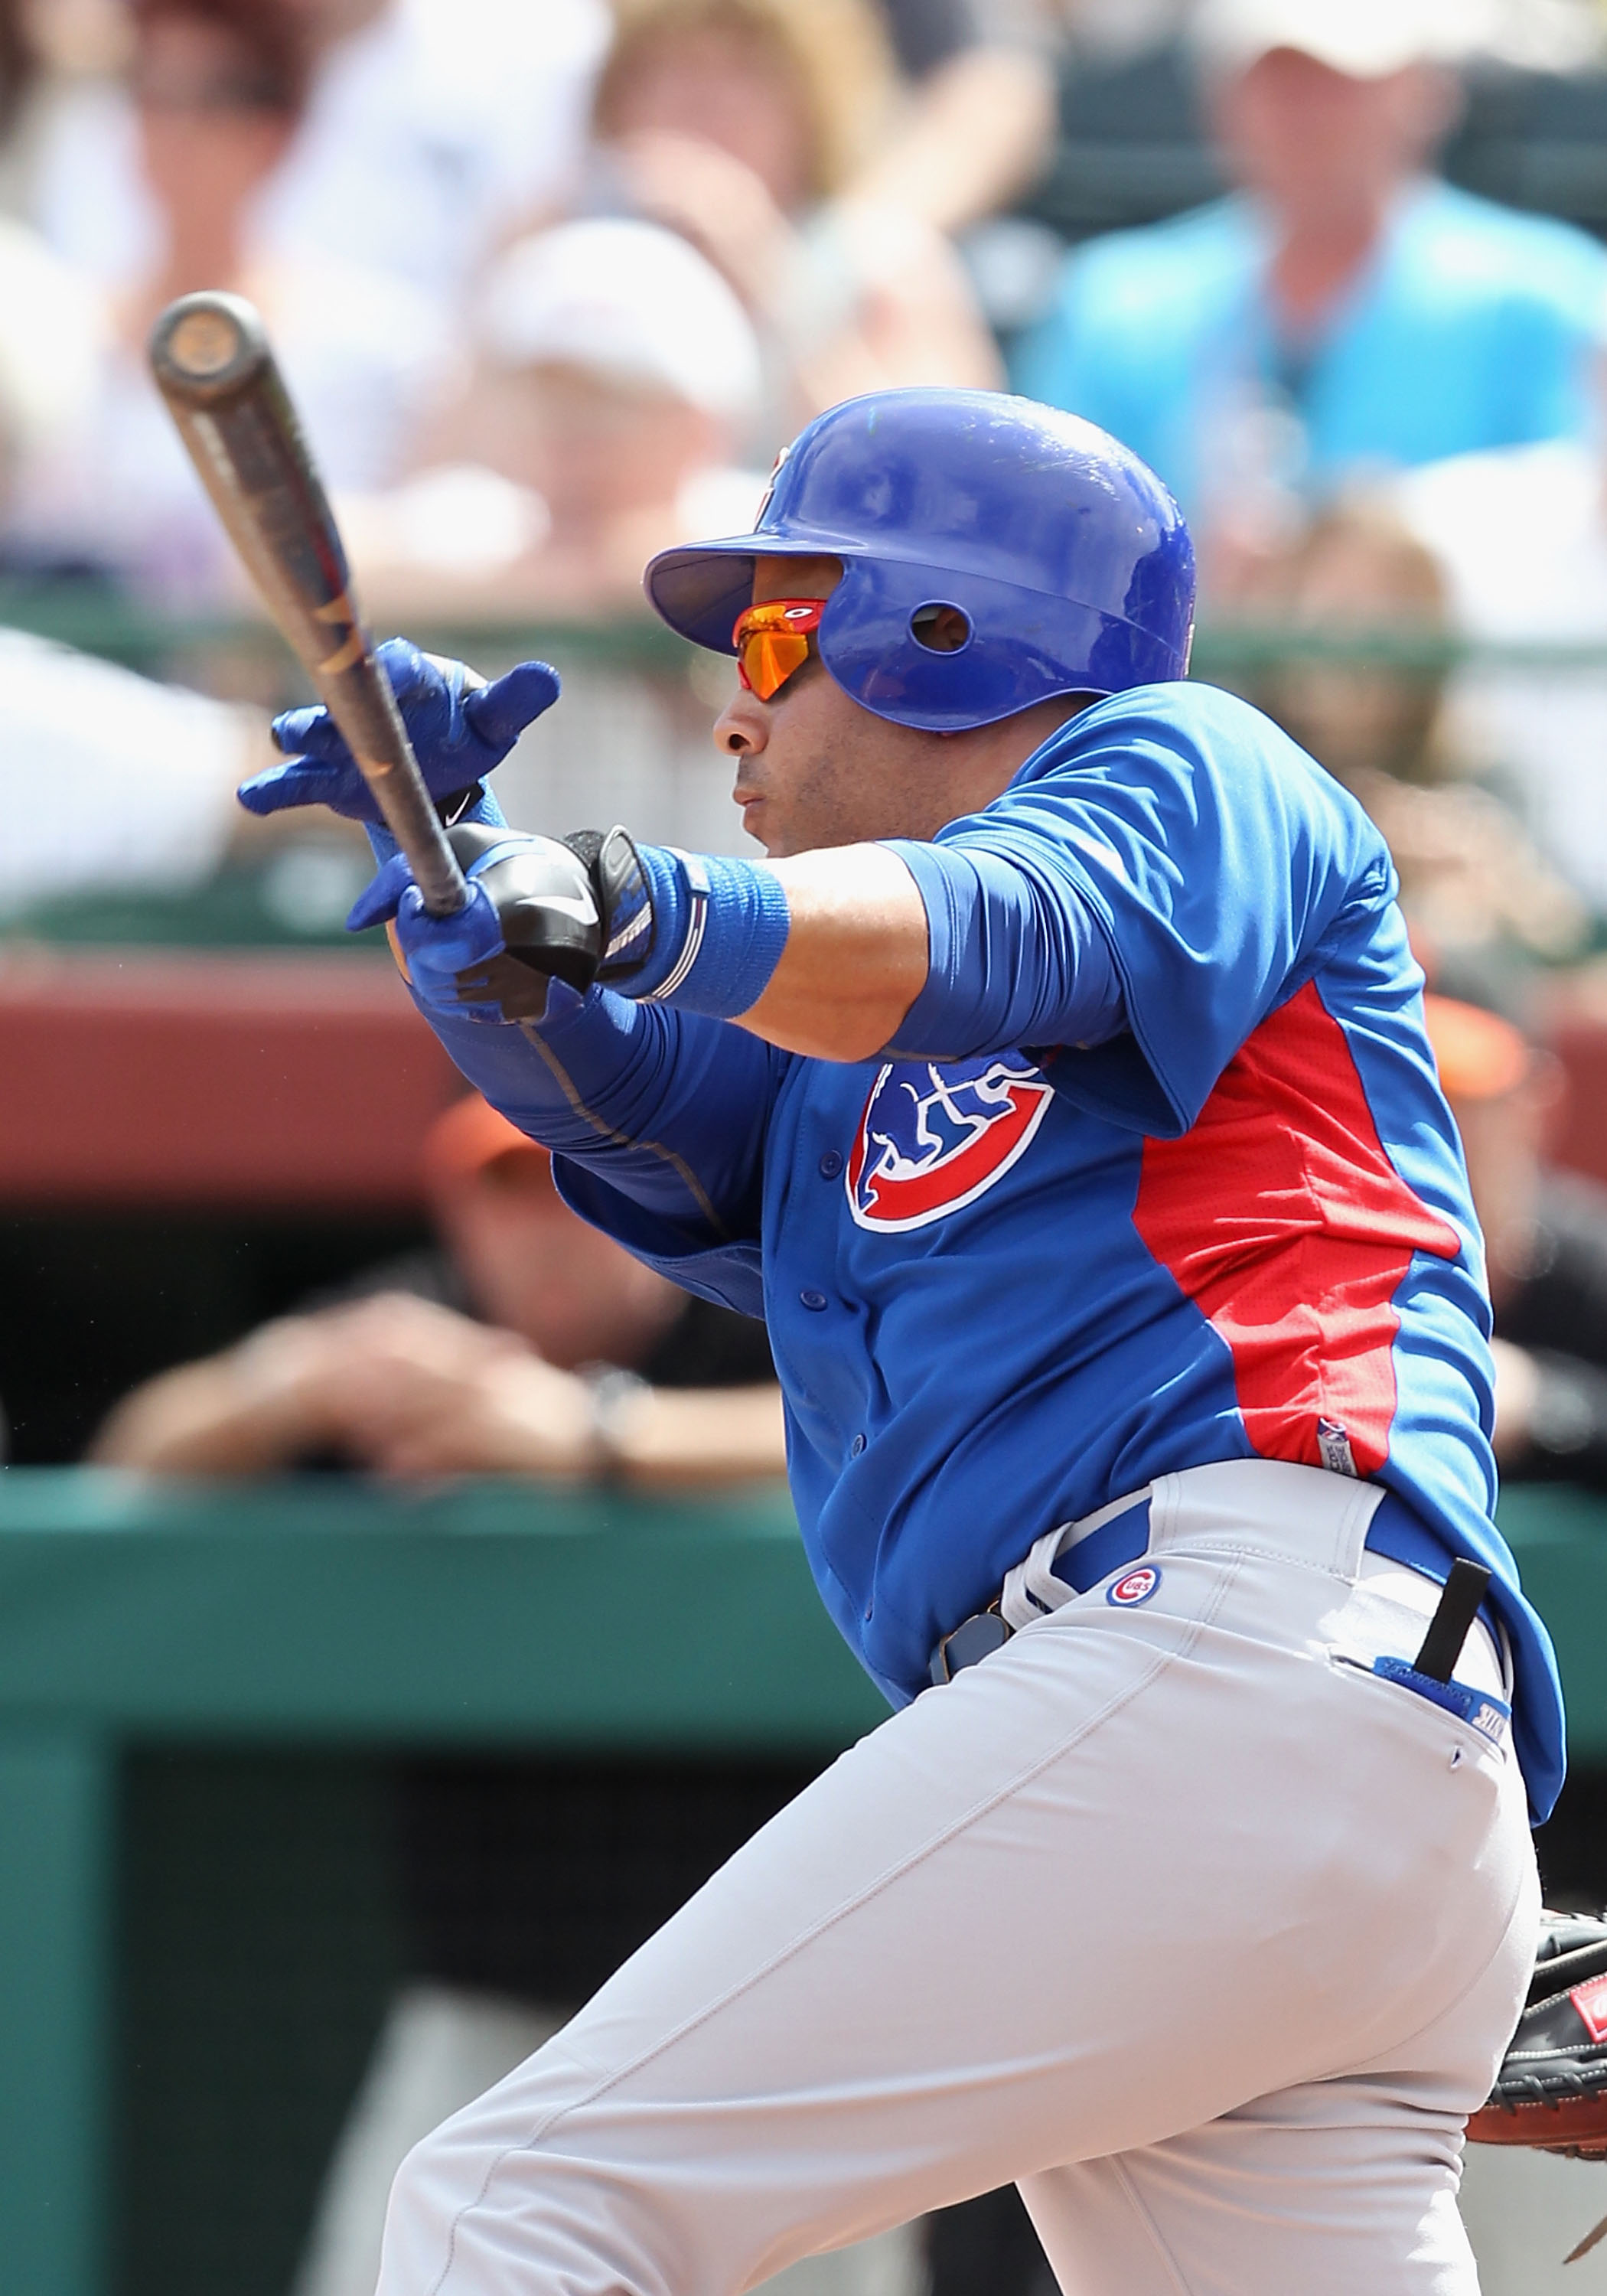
[(304, 1372)]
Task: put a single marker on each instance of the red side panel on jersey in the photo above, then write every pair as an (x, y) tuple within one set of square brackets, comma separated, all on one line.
[(1285, 1223)]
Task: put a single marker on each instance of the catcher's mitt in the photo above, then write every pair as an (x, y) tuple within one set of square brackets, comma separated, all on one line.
[(1551, 2091)]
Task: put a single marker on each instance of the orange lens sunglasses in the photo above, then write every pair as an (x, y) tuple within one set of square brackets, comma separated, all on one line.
[(772, 641)]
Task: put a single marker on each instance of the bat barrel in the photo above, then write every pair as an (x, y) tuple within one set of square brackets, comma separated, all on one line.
[(214, 366)]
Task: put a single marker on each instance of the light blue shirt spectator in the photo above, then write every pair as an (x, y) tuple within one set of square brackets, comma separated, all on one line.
[(1470, 326)]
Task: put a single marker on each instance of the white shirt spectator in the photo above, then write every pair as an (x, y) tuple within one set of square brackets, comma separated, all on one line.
[(433, 126), (1523, 537), (362, 353), (427, 130), (108, 779), (52, 340)]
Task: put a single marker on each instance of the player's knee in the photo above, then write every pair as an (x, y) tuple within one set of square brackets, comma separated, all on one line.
[(482, 2164)]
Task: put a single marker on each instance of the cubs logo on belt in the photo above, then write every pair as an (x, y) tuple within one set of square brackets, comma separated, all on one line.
[(1133, 1587), (933, 1139)]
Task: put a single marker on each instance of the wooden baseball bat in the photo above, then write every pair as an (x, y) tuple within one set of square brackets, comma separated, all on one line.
[(214, 366)]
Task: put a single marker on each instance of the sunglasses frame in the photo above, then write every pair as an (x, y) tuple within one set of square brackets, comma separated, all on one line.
[(803, 613)]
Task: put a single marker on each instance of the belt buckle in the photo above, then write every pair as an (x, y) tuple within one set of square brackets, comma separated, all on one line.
[(974, 1638)]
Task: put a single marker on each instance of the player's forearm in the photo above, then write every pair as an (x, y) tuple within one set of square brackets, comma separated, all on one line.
[(855, 958)]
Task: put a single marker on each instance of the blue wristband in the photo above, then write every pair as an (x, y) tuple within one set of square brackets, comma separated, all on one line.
[(719, 928)]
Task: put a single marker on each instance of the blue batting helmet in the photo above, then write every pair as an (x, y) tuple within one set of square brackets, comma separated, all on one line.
[(1069, 559)]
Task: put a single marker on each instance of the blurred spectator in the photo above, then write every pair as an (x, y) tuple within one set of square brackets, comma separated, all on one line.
[(1475, 891), (1543, 36), (1546, 1243), (434, 125), (1521, 541), (1124, 27), (977, 126), (750, 126), (472, 1359), (108, 781), (52, 340), (1342, 311), (590, 1365), (430, 125), (218, 88), (20, 74), (616, 376)]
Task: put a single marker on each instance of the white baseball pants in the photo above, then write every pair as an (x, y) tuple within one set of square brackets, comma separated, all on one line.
[(1173, 1912)]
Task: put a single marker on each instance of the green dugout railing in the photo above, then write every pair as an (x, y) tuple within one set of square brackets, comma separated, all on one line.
[(101, 622), (322, 1613), (244, 904)]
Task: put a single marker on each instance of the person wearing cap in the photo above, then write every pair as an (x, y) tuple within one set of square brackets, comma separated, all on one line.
[(527, 1343), (1341, 310), (615, 378)]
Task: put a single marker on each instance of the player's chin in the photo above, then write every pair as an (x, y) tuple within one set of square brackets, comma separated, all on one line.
[(758, 825)]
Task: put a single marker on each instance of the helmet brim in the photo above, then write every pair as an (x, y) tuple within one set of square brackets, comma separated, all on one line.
[(700, 589)]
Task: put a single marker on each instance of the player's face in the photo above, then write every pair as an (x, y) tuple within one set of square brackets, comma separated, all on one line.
[(813, 768)]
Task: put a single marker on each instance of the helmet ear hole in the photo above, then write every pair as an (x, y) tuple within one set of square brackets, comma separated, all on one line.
[(940, 628)]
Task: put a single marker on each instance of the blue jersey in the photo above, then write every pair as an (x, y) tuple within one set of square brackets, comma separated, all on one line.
[(1213, 1207)]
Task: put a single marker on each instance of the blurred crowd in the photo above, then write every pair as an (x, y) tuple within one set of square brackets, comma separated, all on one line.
[(553, 284)]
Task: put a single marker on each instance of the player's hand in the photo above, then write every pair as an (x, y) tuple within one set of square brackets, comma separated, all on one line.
[(538, 910), (460, 727)]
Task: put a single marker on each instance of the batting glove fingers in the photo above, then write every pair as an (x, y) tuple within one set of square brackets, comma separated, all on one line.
[(461, 728)]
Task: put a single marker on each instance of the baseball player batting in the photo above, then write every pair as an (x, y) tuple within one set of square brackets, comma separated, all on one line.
[(1057, 1089)]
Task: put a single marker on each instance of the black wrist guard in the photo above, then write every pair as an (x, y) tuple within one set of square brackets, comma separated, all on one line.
[(575, 910)]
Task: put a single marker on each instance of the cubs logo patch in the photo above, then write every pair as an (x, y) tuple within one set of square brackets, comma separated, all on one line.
[(1133, 1587), (932, 1139), (769, 494)]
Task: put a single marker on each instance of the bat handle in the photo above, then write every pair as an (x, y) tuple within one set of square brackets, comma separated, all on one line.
[(360, 700)]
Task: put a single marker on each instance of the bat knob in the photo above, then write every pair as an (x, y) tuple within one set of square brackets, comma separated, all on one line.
[(207, 347)]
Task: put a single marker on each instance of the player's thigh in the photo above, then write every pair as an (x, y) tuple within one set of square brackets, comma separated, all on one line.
[(1000, 1876), (1333, 2190), (1102, 1888)]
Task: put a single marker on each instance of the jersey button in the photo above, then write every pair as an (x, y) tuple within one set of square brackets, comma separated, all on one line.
[(830, 1164), (814, 1300), (856, 1445)]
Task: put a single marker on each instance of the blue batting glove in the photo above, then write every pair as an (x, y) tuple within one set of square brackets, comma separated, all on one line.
[(537, 913), (460, 728), (434, 952)]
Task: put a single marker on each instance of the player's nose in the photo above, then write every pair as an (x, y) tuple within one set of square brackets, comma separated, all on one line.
[(742, 727)]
